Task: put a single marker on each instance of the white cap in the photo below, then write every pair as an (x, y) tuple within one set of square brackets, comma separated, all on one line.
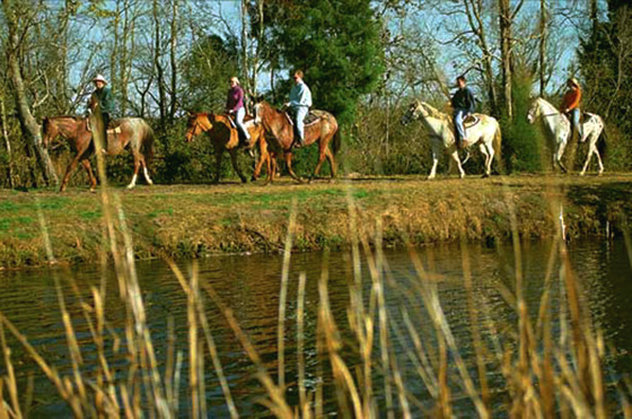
[(99, 77)]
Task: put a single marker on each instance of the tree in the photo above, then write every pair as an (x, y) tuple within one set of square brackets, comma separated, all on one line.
[(30, 127), (205, 73), (506, 17), (605, 56), (336, 42)]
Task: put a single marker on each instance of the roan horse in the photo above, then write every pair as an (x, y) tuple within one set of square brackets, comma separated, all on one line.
[(557, 129), (224, 137), (132, 132), (485, 133), (280, 135)]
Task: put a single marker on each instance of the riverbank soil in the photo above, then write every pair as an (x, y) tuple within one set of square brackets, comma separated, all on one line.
[(201, 220)]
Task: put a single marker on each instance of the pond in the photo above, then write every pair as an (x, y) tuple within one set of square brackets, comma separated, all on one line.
[(250, 286)]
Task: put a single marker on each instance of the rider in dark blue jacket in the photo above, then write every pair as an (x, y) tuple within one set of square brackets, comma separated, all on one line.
[(463, 103)]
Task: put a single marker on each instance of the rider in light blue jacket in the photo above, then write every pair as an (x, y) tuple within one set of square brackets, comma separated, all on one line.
[(300, 101)]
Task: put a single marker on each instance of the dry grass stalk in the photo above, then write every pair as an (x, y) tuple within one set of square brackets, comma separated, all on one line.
[(300, 346), (285, 272)]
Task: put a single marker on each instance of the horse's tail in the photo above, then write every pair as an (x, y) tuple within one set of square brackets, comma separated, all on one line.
[(496, 144), (602, 143), (148, 144), (336, 142)]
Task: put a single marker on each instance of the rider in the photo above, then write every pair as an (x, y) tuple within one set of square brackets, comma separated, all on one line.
[(102, 95), (300, 101), (235, 106), (463, 104), (570, 105)]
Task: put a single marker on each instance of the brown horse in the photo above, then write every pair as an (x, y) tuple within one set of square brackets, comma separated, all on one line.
[(280, 135), (132, 132), (224, 137)]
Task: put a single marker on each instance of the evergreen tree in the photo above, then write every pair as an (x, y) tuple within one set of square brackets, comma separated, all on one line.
[(337, 44), (205, 72), (606, 58)]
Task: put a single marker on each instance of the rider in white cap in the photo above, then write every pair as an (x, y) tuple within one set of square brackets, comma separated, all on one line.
[(103, 97)]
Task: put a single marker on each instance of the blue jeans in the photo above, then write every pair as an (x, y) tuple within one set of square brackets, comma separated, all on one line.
[(575, 124), (459, 117), (239, 121), (301, 113)]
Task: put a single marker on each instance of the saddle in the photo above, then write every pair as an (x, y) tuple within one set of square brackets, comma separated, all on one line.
[(233, 125), (311, 118), (470, 121)]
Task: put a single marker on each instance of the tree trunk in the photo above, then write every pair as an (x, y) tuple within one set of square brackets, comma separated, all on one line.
[(160, 78), (245, 21), (475, 10), (30, 127), (172, 55), (7, 142), (505, 23), (542, 45)]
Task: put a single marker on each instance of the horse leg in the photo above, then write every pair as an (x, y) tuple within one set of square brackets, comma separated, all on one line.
[(145, 171), (435, 162), (288, 162), (72, 166), (93, 181), (132, 184), (321, 158), (483, 148), (332, 162), (591, 149), (558, 156), (233, 159), (455, 157), (599, 161), (218, 163), (263, 158)]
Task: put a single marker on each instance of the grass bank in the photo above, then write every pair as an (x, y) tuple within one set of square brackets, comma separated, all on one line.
[(200, 220)]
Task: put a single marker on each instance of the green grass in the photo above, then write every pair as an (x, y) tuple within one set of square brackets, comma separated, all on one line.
[(189, 220)]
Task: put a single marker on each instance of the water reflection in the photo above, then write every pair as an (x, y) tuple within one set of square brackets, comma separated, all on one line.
[(250, 286)]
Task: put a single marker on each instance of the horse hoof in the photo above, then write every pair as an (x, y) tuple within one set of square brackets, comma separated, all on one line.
[(485, 176), (582, 174), (253, 179), (130, 187)]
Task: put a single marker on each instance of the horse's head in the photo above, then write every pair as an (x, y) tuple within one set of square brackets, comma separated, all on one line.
[(197, 124), (259, 108), (534, 111), (46, 132), (414, 111)]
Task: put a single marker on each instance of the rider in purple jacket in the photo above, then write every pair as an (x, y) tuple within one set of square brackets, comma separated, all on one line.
[(235, 105)]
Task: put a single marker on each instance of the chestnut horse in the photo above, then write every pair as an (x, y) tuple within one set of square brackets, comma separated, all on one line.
[(224, 137), (132, 132), (280, 135)]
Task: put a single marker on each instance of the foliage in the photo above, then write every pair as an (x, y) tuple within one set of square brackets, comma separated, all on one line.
[(605, 56), (206, 70), (336, 43), (522, 146)]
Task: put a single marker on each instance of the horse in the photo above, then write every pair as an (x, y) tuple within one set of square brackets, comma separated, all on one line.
[(280, 135), (132, 132), (485, 133), (225, 137), (557, 129)]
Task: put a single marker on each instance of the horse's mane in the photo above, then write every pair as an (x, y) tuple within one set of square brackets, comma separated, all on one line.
[(435, 113), (75, 117)]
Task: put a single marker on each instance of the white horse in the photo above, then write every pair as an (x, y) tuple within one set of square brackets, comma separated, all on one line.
[(485, 132), (557, 129)]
